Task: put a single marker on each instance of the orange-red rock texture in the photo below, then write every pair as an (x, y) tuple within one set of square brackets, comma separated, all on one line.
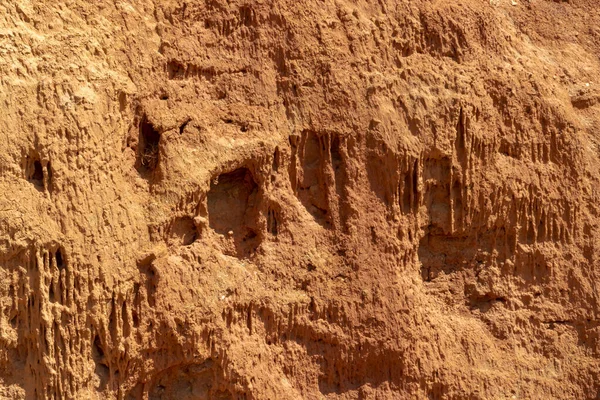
[(282, 199)]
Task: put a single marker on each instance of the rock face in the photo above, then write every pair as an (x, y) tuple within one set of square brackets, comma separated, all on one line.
[(284, 199)]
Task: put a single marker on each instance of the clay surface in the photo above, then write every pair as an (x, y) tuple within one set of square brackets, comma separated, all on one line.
[(285, 199)]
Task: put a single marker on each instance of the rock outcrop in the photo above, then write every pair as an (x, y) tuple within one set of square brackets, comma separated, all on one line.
[(299, 200)]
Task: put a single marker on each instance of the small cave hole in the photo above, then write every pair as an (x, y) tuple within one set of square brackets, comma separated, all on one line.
[(97, 352), (122, 101), (51, 295), (232, 208), (112, 320), (272, 223), (135, 319), (247, 16), (183, 231), (126, 322), (250, 234), (13, 322), (336, 156), (38, 172), (60, 262), (35, 172), (176, 70), (49, 175), (182, 127), (221, 94), (276, 159), (228, 200), (148, 146)]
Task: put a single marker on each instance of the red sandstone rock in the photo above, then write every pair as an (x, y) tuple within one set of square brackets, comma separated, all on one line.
[(299, 200)]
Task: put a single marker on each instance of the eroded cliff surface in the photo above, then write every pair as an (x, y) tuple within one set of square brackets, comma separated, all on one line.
[(299, 200)]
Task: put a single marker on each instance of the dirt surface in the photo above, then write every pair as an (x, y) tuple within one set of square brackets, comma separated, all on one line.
[(282, 199)]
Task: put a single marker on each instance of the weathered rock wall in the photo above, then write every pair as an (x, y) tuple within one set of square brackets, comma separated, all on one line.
[(273, 199)]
